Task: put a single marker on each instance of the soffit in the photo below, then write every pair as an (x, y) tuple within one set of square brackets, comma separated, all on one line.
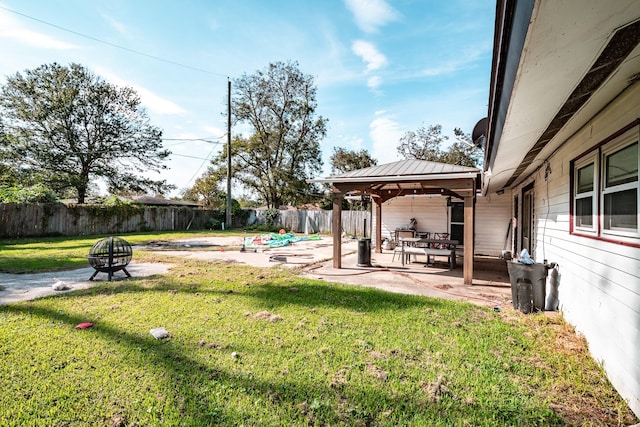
[(553, 94)]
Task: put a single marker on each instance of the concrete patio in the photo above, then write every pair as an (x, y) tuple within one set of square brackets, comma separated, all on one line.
[(311, 258), (491, 286)]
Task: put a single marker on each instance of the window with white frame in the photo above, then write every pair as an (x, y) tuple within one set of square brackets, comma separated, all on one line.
[(620, 189), (606, 188), (585, 195)]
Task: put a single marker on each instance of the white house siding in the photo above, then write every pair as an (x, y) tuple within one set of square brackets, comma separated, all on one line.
[(431, 212), (599, 289), (493, 213), (433, 215)]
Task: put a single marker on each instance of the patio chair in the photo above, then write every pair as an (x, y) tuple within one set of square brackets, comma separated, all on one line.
[(441, 236), (397, 250), (400, 234)]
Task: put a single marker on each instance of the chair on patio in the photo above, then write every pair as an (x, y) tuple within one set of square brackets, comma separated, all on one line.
[(399, 249), (440, 236)]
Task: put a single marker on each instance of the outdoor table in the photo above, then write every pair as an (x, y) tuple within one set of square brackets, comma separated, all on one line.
[(431, 247)]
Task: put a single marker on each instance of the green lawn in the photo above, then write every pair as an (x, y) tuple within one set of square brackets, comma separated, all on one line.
[(264, 347), (33, 255)]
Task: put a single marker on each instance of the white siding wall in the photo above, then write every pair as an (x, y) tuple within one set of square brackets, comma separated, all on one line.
[(599, 281), (492, 220), (433, 215), (431, 212)]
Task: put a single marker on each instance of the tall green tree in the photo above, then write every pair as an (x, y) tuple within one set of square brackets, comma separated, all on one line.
[(462, 152), (71, 127), (207, 188), (426, 144), (343, 160), (423, 144), (282, 149)]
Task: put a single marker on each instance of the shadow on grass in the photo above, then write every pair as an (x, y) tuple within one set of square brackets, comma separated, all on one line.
[(186, 375), (320, 403), (322, 294), (303, 292), (19, 265)]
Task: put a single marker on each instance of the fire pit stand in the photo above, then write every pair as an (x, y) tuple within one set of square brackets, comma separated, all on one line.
[(109, 255)]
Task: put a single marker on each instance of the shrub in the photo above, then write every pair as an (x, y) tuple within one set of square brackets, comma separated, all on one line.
[(271, 216), (214, 224), (38, 193)]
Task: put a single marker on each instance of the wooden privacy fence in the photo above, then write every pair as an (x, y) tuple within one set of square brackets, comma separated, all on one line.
[(44, 219), (310, 222)]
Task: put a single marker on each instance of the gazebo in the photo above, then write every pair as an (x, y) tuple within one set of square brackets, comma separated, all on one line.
[(406, 177)]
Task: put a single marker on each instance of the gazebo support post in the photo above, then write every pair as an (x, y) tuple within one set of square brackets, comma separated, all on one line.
[(378, 202), (467, 268), (336, 228)]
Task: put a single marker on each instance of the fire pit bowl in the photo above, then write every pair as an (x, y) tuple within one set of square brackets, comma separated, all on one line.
[(109, 255)]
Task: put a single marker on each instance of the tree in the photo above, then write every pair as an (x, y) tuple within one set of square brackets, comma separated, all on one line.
[(283, 148), (71, 127), (10, 174), (343, 160), (425, 144), (462, 152), (207, 188)]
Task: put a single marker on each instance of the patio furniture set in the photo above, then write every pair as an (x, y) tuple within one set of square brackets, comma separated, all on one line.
[(413, 243)]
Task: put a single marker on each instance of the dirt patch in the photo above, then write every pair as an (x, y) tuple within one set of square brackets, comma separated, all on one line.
[(265, 315)]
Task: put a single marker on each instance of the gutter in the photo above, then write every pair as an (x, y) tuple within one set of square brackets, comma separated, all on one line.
[(512, 24)]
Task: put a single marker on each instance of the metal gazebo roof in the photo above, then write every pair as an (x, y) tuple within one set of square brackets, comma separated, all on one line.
[(407, 177)]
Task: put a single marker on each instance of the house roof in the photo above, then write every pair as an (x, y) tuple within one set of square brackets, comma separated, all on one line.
[(161, 201), (406, 177), (555, 65)]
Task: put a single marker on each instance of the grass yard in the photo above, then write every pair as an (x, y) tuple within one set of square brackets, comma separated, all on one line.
[(264, 347), (33, 255)]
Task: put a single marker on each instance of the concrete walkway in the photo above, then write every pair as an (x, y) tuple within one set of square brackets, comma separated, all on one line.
[(313, 259)]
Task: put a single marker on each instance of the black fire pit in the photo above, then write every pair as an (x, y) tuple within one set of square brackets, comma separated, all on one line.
[(109, 255)]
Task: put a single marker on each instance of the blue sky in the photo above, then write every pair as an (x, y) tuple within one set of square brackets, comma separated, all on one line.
[(381, 67)]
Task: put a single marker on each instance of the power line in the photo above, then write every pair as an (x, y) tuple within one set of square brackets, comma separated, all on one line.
[(186, 140), (137, 52), (201, 165), (190, 157)]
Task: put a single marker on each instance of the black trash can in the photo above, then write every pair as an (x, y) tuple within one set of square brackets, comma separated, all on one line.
[(528, 286), (364, 252)]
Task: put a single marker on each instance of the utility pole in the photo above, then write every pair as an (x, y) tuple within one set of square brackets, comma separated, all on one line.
[(228, 220)]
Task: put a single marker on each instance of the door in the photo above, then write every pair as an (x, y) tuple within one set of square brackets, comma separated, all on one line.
[(456, 230), (527, 224)]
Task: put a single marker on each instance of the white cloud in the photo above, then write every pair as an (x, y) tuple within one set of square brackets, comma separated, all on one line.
[(369, 54), (371, 14), (385, 134), (149, 99), (156, 103), (12, 29)]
